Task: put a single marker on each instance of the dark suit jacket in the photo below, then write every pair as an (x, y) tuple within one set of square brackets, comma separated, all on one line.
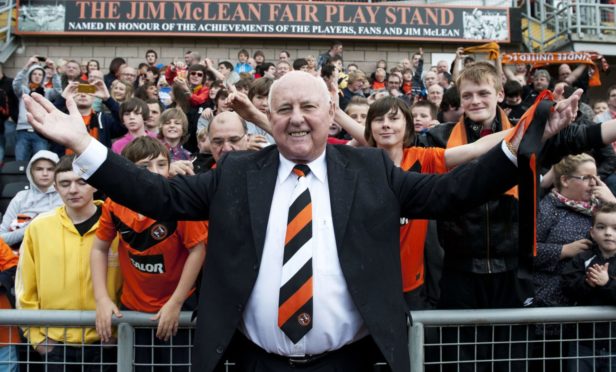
[(368, 195)]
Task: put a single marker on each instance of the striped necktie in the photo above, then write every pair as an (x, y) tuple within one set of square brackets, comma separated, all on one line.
[(295, 301)]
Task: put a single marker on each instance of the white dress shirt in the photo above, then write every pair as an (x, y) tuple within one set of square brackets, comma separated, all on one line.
[(336, 321)]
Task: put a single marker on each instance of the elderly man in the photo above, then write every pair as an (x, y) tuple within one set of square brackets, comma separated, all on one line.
[(279, 291), (435, 94), (227, 132), (128, 74)]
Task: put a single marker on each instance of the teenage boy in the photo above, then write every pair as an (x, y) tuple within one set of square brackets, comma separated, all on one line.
[(242, 65), (589, 279), (159, 260), (27, 204), (133, 114), (54, 272)]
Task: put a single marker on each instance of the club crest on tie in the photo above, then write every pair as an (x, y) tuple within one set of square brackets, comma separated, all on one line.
[(304, 319)]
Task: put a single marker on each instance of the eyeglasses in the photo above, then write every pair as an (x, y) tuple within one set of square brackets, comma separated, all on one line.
[(219, 142), (583, 178), (196, 73)]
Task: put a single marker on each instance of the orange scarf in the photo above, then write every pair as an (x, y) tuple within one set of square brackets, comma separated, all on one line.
[(458, 138)]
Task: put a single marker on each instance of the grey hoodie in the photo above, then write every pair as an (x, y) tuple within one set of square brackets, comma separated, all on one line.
[(30, 202), (21, 86)]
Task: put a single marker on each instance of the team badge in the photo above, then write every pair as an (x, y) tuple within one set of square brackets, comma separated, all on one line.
[(304, 319), (159, 232)]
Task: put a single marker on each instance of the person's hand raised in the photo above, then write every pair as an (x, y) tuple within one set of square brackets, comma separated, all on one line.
[(563, 113), (65, 129)]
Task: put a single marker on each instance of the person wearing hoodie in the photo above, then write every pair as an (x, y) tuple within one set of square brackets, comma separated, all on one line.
[(60, 278), (31, 79), (27, 204)]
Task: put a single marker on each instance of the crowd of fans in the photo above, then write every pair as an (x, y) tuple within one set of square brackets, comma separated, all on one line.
[(180, 118)]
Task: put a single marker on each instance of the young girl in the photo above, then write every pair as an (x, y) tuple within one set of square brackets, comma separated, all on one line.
[(174, 132)]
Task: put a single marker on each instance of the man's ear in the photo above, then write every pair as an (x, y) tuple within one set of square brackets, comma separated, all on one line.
[(500, 96)]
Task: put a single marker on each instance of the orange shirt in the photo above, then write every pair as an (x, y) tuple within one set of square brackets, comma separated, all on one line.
[(413, 232), (87, 119), (8, 260), (151, 253)]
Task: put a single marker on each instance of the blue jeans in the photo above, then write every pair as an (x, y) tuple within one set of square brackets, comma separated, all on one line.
[(27, 144), (9, 359)]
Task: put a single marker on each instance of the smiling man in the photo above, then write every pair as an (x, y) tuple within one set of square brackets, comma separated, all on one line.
[(303, 263)]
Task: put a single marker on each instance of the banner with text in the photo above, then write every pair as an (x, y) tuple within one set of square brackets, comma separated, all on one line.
[(281, 19)]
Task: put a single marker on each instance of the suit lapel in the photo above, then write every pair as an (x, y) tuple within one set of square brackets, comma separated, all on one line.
[(260, 186), (341, 191)]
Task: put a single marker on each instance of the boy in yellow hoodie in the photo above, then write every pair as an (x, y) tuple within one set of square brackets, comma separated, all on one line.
[(54, 271)]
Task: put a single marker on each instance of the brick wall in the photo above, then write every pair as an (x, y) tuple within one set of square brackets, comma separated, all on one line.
[(364, 54)]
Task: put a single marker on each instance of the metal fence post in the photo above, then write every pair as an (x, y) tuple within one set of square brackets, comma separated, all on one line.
[(416, 346), (126, 350)]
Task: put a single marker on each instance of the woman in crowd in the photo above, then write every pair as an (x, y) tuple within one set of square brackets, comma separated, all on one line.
[(121, 90), (563, 225), (147, 91), (389, 126)]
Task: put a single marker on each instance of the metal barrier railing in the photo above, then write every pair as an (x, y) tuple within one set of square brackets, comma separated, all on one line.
[(551, 22), (528, 339)]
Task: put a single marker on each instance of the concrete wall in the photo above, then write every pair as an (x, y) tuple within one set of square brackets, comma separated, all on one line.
[(365, 54)]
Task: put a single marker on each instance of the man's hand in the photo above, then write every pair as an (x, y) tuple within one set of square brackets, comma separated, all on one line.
[(66, 130), (563, 113), (168, 320), (105, 308), (70, 90), (46, 346), (256, 142), (241, 103), (181, 168), (101, 90)]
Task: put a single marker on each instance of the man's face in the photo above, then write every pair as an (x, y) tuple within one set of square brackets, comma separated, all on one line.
[(338, 50), (152, 122), (36, 76), (300, 117), (72, 70), (563, 72), (393, 82), (74, 191), (83, 101), (158, 165), (129, 74), (479, 101), (442, 81), (435, 94), (415, 60), (442, 66), (223, 70), (150, 58), (405, 63), (283, 57), (42, 173), (188, 58), (430, 79), (282, 69), (611, 101), (227, 134), (541, 83)]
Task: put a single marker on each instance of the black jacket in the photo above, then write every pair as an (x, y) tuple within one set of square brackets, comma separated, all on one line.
[(485, 240)]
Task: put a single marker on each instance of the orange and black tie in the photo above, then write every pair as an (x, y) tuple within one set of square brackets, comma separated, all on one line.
[(295, 301)]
